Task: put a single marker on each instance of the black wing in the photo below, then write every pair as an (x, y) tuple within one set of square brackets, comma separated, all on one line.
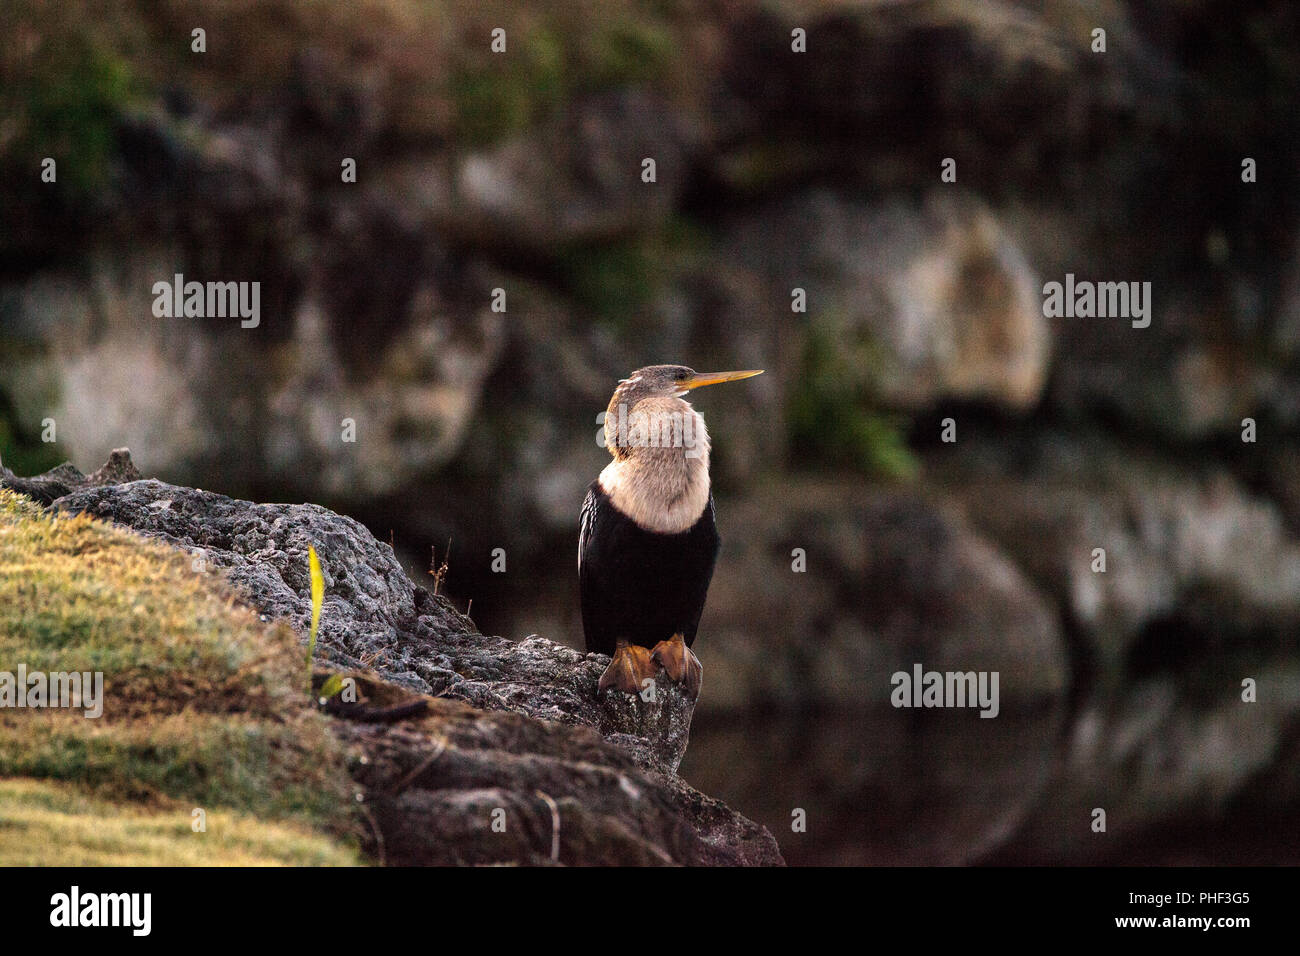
[(589, 583), (638, 585), (699, 570)]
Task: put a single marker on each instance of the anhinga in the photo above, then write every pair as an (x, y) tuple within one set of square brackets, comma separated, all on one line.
[(648, 540)]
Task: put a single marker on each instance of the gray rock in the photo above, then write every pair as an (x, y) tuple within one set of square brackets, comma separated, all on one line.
[(110, 368), (558, 794), (608, 763), (66, 479), (1180, 542), (375, 618), (1201, 590), (923, 302), (589, 189)]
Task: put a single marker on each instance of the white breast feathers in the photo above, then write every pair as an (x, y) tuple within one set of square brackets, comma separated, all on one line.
[(663, 484)]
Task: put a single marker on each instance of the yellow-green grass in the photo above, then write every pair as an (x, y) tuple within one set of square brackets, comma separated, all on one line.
[(48, 824), (205, 706)]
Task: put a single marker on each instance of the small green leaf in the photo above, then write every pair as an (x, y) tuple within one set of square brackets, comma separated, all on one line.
[(333, 684), (317, 596)]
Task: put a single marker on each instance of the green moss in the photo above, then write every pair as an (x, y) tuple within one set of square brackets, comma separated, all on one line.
[(615, 281), (624, 53), (505, 93), (612, 281), (65, 103), (546, 65), (832, 418), (202, 702), (24, 456)]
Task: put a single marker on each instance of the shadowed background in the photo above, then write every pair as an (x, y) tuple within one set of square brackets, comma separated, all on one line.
[(775, 170)]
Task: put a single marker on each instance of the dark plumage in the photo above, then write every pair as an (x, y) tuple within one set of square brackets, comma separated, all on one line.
[(640, 585)]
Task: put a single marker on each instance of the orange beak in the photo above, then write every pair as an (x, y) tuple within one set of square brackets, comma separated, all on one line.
[(700, 379)]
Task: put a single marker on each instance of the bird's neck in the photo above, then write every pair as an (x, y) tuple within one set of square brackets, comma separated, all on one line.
[(660, 473)]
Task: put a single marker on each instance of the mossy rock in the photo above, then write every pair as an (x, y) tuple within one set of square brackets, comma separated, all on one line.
[(205, 706)]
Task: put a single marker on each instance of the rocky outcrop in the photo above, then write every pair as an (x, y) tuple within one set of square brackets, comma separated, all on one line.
[(468, 786), (66, 479), (482, 724)]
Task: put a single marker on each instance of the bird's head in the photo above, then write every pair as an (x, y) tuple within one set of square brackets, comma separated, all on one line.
[(668, 383)]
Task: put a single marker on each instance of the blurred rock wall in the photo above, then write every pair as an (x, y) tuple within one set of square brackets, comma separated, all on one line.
[(775, 171)]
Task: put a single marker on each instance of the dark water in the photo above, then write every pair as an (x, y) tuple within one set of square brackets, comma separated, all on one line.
[(879, 786)]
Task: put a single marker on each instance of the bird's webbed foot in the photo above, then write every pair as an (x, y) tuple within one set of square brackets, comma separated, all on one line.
[(628, 670), (680, 664)]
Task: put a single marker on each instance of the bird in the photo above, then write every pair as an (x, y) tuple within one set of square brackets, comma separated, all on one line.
[(648, 537)]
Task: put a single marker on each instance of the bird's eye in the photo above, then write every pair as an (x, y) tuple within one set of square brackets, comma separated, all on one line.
[(680, 375)]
